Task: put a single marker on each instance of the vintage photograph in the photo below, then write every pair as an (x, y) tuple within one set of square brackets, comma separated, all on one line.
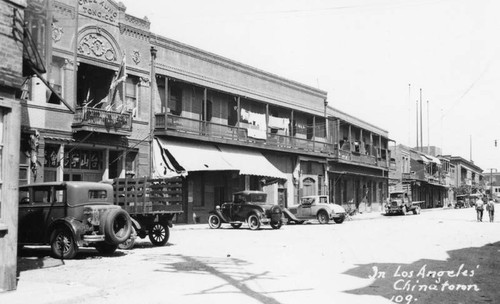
[(276, 152)]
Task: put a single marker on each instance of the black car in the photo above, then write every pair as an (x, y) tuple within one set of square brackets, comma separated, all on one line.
[(250, 207)]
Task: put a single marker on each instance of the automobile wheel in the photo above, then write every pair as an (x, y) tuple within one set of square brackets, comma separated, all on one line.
[(117, 226), (129, 243), (236, 225), (339, 220), (105, 248), (416, 210), (403, 210), (159, 234), (323, 217), (276, 225), (214, 221), (62, 244), (253, 222)]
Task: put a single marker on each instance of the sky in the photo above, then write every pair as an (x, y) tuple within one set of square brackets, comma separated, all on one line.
[(372, 57)]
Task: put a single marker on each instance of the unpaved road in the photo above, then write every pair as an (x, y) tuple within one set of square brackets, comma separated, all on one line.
[(426, 258)]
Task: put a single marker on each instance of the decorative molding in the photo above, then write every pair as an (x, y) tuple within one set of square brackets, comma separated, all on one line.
[(143, 23), (96, 45), (134, 32), (57, 32), (136, 56), (64, 9)]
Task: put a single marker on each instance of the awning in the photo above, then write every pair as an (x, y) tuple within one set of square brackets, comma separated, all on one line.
[(250, 162), (434, 159), (173, 158)]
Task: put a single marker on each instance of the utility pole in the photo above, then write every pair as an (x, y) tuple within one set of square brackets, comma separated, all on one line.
[(428, 133), (416, 120), (421, 136)]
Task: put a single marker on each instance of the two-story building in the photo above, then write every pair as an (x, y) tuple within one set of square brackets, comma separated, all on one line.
[(120, 99), (422, 175), (468, 176)]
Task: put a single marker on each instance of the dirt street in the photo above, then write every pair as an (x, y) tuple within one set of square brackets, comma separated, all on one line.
[(439, 256)]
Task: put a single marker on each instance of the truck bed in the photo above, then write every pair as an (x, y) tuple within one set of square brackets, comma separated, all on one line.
[(148, 196)]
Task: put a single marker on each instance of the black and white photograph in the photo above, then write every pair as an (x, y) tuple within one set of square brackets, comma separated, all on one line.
[(249, 151)]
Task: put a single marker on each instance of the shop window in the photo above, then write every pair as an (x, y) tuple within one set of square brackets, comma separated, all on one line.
[(132, 95)]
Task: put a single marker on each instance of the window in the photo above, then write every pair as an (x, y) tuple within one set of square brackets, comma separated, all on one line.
[(96, 194), (132, 95), (55, 80), (175, 99)]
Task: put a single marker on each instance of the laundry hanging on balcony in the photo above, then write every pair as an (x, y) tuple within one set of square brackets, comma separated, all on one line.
[(256, 124), (279, 123)]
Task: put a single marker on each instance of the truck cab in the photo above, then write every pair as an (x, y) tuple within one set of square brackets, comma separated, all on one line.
[(399, 202)]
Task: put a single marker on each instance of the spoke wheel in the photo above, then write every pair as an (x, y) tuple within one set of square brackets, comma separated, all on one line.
[(253, 222), (130, 242), (62, 244), (158, 234), (323, 217)]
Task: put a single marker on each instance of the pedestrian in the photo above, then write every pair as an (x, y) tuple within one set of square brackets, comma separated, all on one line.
[(490, 207), (479, 209)]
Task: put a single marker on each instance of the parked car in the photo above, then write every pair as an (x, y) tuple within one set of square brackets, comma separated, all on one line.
[(249, 207), (315, 207), (70, 215), (400, 203)]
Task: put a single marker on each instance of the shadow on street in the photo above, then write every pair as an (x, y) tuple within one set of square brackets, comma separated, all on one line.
[(469, 275)]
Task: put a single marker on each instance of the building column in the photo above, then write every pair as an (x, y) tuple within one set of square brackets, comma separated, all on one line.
[(69, 82), (105, 173)]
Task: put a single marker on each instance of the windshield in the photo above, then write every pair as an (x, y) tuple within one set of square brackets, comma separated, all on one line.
[(396, 195), (257, 198)]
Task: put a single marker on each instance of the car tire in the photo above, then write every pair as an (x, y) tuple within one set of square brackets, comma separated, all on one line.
[(105, 249), (117, 226), (130, 242), (236, 225), (159, 234), (253, 222), (323, 217), (403, 210), (214, 221), (62, 244), (416, 210), (276, 225), (339, 220)]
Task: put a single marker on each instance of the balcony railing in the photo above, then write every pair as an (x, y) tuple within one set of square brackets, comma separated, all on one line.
[(98, 120), (215, 130)]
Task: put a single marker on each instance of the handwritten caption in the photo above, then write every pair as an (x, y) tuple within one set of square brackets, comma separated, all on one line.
[(407, 284)]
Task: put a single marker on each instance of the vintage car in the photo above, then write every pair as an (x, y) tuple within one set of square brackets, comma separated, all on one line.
[(315, 207), (247, 206), (400, 203), (69, 215)]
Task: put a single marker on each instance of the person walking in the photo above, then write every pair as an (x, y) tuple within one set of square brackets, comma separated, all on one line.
[(490, 207), (479, 209)]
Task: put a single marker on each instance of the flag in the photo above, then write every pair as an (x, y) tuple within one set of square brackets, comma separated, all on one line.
[(120, 77)]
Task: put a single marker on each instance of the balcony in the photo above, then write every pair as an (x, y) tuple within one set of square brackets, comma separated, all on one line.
[(102, 121), (218, 132)]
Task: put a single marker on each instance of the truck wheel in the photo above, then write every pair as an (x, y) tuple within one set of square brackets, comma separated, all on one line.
[(117, 226), (159, 234), (62, 244), (253, 222), (105, 248), (416, 210), (403, 210), (323, 217), (130, 242), (277, 225), (214, 221)]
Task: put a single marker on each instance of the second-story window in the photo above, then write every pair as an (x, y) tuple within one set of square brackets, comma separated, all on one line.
[(55, 78), (132, 95), (175, 99)]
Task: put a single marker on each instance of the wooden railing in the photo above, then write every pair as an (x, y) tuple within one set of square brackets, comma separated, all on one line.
[(112, 122)]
